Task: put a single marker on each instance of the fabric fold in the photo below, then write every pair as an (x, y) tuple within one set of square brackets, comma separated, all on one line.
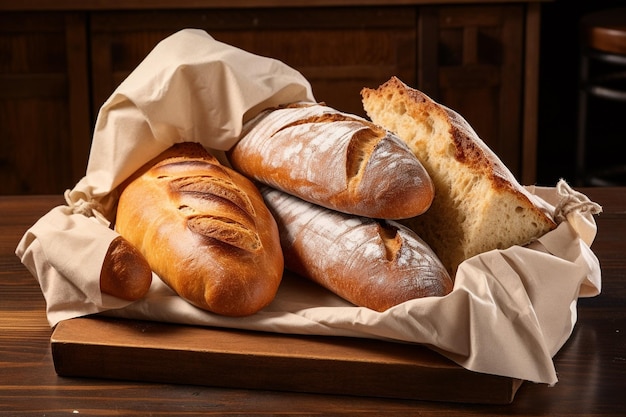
[(510, 310)]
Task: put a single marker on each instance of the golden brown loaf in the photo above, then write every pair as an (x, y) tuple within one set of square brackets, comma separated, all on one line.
[(371, 263), (125, 272), (478, 204), (205, 231), (335, 160)]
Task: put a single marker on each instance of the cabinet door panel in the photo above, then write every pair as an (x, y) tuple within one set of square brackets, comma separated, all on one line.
[(476, 69), (38, 124), (339, 50)]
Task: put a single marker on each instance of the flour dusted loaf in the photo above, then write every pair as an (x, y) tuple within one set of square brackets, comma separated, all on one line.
[(333, 159), (204, 230), (478, 204), (371, 263)]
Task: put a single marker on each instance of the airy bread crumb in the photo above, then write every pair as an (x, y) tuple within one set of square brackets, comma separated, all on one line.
[(478, 204)]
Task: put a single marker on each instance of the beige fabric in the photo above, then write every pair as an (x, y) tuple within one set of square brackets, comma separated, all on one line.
[(510, 310)]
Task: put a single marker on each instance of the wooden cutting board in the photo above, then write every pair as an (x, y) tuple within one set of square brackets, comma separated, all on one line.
[(157, 352)]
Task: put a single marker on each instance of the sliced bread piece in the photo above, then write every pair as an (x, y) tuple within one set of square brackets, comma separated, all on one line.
[(478, 205)]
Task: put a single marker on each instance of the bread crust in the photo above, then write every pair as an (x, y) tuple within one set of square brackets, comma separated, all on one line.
[(479, 205), (335, 160), (204, 230), (371, 263), (125, 273)]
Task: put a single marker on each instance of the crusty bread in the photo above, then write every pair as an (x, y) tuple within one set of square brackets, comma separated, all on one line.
[(336, 160), (204, 229), (478, 204), (125, 273), (371, 263)]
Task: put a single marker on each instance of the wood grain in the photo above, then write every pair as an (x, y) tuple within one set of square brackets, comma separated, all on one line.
[(61, 60), (156, 352), (591, 366), (195, 4), (339, 51), (35, 119)]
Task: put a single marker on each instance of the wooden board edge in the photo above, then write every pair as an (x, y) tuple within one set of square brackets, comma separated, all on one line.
[(319, 372)]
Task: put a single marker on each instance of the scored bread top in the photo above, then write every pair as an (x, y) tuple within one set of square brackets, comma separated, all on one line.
[(213, 205), (204, 230), (371, 263), (479, 205), (336, 160)]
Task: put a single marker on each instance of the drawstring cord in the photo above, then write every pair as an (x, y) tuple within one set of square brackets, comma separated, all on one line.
[(88, 208), (572, 200)]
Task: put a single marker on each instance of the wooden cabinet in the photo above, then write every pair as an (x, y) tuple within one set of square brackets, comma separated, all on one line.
[(44, 104), (339, 50), (58, 67), (475, 67)]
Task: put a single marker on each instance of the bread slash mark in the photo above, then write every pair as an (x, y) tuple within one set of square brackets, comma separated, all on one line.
[(204, 187), (360, 150), (226, 231), (361, 145), (391, 240)]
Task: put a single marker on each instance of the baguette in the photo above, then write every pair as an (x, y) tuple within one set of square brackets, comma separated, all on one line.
[(125, 273), (478, 204), (204, 230), (336, 160), (371, 263)]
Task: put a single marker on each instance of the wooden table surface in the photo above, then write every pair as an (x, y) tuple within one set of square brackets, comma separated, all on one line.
[(591, 366)]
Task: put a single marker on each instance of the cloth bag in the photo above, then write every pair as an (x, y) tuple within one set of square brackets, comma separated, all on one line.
[(510, 310)]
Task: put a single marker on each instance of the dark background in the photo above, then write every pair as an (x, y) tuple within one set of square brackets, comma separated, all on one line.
[(558, 98)]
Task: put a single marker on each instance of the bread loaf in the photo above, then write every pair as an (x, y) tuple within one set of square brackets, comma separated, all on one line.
[(371, 263), (336, 160), (125, 272), (204, 230), (478, 204)]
